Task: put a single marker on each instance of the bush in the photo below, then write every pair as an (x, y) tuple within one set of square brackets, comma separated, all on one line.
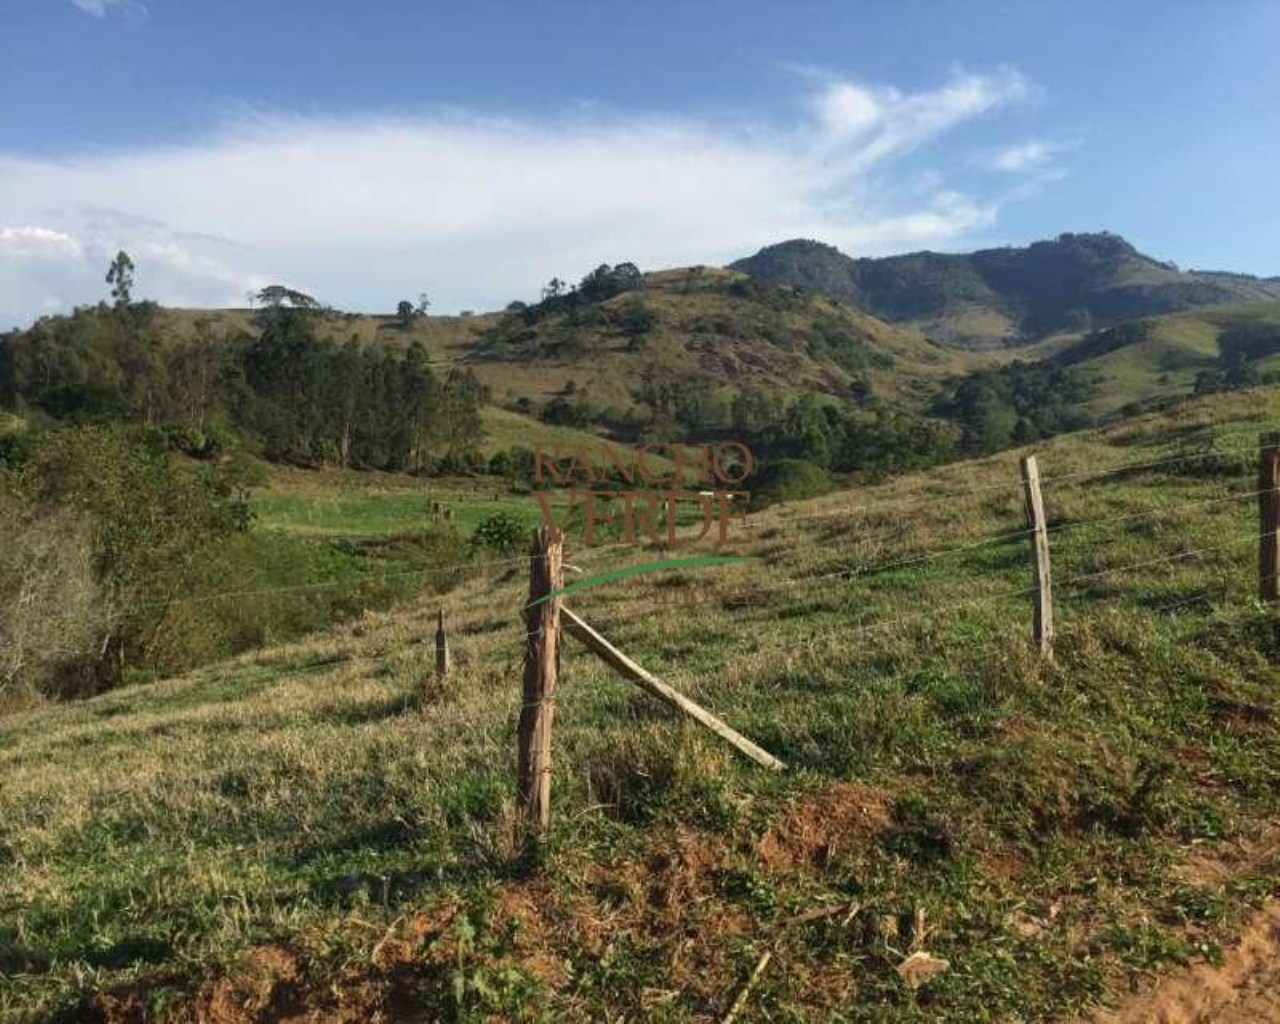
[(789, 480), (147, 520), (636, 319), (53, 613), (502, 532), (501, 464), (17, 440)]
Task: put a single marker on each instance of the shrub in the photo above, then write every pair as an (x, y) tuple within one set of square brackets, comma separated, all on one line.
[(502, 532), (53, 613), (636, 319), (789, 480), (146, 519)]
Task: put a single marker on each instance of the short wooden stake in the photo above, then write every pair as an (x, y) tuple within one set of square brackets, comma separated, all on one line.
[(1042, 626), (613, 657), (541, 669), (1269, 517), (442, 648), (744, 993)]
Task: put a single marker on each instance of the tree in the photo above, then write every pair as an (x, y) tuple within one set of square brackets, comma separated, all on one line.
[(275, 295), (635, 320), (404, 312), (424, 304), (272, 299), (120, 277)]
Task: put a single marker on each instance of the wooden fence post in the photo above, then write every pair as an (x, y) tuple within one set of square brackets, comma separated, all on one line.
[(1269, 517), (610, 655), (442, 648), (1042, 626), (541, 669)]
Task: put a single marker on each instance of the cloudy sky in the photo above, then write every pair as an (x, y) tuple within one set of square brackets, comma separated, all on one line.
[(367, 153)]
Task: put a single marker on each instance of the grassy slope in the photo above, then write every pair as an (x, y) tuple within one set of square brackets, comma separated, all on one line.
[(1165, 365), (504, 430), (376, 505), (321, 826), (704, 328)]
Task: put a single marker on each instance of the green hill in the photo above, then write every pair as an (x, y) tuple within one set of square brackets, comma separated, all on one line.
[(1007, 296), (1160, 358), (324, 830), (702, 324)]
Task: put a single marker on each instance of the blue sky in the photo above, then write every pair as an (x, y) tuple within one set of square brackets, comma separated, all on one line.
[(369, 152)]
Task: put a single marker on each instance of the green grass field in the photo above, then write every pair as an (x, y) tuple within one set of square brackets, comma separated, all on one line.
[(1165, 365), (324, 828), (382, 512)]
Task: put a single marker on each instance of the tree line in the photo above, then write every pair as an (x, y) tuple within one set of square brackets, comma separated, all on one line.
[(298, 396)]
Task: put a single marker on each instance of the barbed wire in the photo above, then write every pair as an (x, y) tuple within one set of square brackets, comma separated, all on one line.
[(910, 501)]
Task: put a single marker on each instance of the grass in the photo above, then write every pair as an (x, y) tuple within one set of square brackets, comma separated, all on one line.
[(1165, 365), (383, 511), (324, 826), (504, 430), (322, 548)]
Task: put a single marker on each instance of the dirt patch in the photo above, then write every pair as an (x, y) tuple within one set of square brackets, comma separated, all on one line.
[(403, 943), (1214, 865), (524, 911), (1243, 989), (118, 1006), (826, 826), (267, 987)]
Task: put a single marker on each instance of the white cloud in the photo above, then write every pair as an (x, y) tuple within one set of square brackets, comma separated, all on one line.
[(949, 214), (27, 242), (1027, 156), (882, 121), (101, 8), (478, 211)]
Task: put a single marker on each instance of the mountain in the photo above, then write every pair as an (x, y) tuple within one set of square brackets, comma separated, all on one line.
[(1008, 296)]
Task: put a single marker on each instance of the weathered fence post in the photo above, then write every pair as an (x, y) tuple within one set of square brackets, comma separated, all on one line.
[(442, 648), (613, 657), (541, 668), (1269, 517), (1042, 626)]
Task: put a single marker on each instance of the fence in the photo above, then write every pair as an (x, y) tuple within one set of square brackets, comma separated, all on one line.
[(546, 618)]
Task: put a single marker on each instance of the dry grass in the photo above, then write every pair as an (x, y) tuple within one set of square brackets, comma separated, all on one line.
[(328, 797)]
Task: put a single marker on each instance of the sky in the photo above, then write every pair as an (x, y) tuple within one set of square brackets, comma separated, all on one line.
[(368, 153)]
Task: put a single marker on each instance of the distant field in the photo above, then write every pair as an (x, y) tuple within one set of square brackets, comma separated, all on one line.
[(505, 430), (382, 512), (1165, 365)]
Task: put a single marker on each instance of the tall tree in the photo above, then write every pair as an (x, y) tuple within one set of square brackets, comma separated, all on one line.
[(120, 277)]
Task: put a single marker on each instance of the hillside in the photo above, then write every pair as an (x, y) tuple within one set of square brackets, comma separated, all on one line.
[(323, 830), (698, 324), (1007, 296), (1159, 358)]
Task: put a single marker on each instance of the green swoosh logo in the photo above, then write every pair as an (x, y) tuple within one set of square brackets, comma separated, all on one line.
[(658, 565)]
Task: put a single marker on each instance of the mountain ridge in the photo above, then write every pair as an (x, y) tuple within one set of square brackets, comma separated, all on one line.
[(1007, 296)]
